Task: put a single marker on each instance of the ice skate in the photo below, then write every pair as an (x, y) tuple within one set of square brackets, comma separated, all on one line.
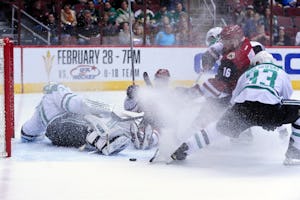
[(292, 155), (180, 153)]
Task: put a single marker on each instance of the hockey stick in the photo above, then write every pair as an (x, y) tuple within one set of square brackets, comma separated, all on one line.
[(147, 79), (293, 102), (131, 42), (198, 77)]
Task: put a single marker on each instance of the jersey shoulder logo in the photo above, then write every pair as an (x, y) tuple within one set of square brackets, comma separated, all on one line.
[(230, 56)]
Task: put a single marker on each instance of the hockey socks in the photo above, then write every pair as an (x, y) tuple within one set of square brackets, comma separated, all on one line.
[(198, 141), (293, 152)]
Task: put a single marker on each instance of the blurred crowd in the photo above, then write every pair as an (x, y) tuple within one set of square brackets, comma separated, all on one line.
[(108, 23), (254, 16), (166, 22)]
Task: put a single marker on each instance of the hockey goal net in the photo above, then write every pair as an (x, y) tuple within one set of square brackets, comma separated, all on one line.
[(6, 97)]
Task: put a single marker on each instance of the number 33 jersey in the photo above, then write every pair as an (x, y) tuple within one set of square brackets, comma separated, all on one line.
[(265, 83)]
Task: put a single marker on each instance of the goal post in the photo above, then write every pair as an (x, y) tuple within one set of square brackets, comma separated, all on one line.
[(6, 96)]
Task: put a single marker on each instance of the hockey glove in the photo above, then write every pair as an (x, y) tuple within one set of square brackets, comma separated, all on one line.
[(132, 91)]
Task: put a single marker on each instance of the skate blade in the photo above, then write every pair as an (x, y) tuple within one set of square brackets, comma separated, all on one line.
[(291, 162)]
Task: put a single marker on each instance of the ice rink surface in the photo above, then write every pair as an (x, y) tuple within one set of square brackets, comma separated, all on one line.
[(228, 171)]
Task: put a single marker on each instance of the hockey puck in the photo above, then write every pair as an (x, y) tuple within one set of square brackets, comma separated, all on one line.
[(132, 159)]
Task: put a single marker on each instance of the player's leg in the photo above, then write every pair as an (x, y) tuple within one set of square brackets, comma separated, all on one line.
[(231, 124), (293, 152), (34, 129)]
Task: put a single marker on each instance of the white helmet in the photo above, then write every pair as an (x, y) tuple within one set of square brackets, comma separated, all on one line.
[(213, 35), (257, 47), (262, 57)]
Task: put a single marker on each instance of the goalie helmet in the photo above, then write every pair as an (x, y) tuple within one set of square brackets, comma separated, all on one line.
[(262, 57), (213, 36), (50, 87)]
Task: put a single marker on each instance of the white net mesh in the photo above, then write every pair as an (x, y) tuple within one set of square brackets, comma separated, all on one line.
[(3, 152)]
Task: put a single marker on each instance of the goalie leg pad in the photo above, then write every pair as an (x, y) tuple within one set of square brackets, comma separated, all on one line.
[(69, 130), (116, 145), (30, 138), (111, 142)]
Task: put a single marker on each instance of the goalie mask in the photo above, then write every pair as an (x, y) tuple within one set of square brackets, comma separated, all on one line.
[(50, 87)]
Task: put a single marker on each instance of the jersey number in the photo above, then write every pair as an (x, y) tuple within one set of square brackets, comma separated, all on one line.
[(226, 72), (267, 78)]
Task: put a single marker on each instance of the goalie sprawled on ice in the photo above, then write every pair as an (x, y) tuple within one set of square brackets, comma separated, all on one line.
[(69, 120)]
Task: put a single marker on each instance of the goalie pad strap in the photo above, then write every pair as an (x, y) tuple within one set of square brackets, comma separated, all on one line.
[(92, 137)]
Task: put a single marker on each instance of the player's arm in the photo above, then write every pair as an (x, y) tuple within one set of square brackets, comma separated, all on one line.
[(131, 101), (210, 57)]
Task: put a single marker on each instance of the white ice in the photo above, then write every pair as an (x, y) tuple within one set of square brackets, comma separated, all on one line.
[(41, 171)]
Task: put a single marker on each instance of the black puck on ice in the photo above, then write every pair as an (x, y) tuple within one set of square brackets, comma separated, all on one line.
[(132, 159)]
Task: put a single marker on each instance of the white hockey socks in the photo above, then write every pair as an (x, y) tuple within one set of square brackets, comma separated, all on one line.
[(204, 138), (293, 152)]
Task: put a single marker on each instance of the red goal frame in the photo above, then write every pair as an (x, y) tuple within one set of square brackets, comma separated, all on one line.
[(8, 52)]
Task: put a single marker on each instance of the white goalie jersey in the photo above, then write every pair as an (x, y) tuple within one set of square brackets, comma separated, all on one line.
[(58, 99)]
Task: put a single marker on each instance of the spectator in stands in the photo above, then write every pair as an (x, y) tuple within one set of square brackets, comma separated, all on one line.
[(260, 6), (51, 24), (178, 11), (289, 3), (164, 21), (166, 37), (39, 11), (108, 27), (163, 11), (282, 39), (68, 20), (172, 4), (266, 19), (111, 11), (87, 28), (124, 34), (261, 36), (182, 30), (237, 12), (138, 34), (139, 16), (123, 13), (297, 39), (250, 23), (95, 13)]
